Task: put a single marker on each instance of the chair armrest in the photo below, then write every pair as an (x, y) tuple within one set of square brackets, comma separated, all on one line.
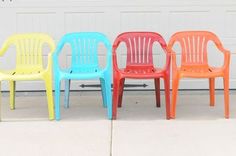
[(55, 61), (173, 57), (168, 59), (4, 48), (114, 57), (2, 51), (59, 47), (226, 54), (49, 66), (109, 57), (226, 60), (56, 53)]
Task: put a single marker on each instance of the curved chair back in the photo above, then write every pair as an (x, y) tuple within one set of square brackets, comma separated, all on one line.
[(29, 48), (84, 47), (194, 46)]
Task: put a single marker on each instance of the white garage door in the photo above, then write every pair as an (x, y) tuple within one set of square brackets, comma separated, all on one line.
[(111, 17)]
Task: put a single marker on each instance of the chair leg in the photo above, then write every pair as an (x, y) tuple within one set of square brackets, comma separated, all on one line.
[(108, 96), (48, 83), (115, 97), (67, 93), (157, 90), (226, 96), (103, 90), (121, 90), (212, 91), (57, 98), (12, 94), (175, 85), (167, 96)]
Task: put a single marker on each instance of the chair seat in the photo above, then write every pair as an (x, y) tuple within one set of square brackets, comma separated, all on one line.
[(200, 72), (81, 75), (20, 75), (141, 73)]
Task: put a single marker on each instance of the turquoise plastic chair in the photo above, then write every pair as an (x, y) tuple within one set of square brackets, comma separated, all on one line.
[(84, 65)]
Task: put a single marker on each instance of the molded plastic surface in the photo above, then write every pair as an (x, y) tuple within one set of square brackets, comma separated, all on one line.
[(139, 65), (84, 65), (194, 63), (29, 63)]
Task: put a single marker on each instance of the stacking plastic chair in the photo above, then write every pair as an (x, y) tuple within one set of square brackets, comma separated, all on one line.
[(84, 65), (29, 63), (194, 63), (139, 65)]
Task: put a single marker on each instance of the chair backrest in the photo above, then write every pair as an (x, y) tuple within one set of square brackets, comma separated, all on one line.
[(139, 47), (29, 48), (193, 46), (84, 47)]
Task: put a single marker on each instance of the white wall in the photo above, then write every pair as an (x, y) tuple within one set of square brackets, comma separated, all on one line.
[(112, 17)]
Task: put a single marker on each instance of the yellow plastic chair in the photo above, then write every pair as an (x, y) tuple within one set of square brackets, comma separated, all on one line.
[(29, 64)]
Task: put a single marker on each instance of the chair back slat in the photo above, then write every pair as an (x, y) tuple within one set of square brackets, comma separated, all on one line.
[(29, 48), (139, 47), (193, 46), (85, 47)]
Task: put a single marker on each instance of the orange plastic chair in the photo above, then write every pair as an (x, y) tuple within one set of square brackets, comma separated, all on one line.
[(139, 65), (194, 63)]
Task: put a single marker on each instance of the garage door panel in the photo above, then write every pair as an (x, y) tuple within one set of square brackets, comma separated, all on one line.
[(58, 17)]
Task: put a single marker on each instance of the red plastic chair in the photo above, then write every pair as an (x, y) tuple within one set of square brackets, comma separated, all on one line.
[(194, 63), (139, 65)]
